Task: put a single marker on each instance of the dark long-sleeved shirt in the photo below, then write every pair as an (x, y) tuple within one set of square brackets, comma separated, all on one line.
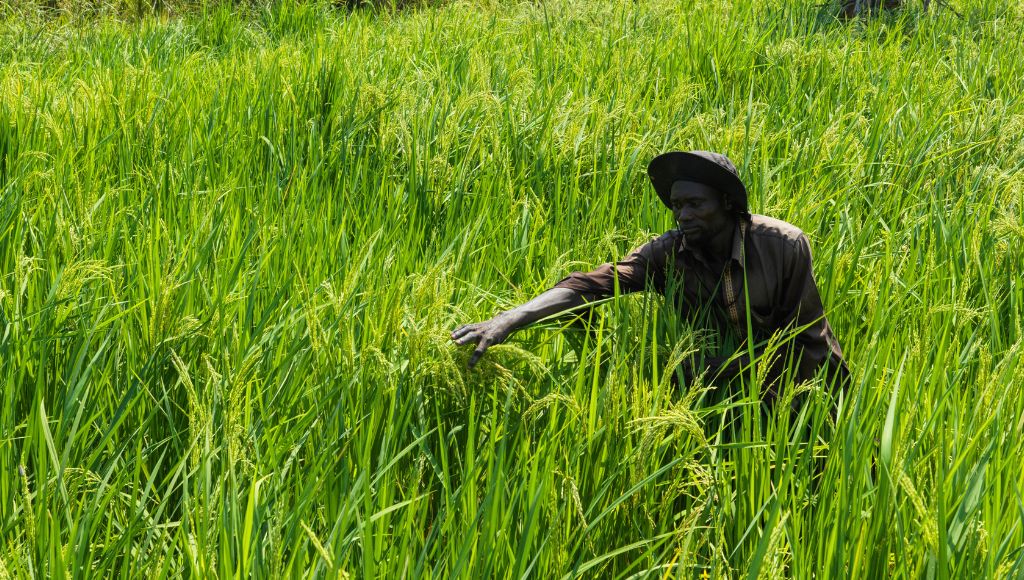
[(770, 255)]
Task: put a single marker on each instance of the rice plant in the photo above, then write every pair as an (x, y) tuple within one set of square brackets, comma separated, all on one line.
[(233, 244)]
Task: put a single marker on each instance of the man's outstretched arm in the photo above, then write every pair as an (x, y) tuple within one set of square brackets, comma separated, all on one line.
[(494, 331), (633, 273)]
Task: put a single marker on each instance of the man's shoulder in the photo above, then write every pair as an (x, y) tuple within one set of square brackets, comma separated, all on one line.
[(762, 226), (658, 247), (671, 236), (665, 243)]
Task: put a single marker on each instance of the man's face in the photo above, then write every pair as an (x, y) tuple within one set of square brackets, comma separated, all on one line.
[(700, 210)]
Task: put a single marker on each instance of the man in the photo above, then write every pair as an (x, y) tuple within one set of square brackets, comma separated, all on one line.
[(744, 274)]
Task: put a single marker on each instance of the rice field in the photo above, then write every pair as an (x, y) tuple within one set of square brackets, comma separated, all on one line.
[(233, 244)]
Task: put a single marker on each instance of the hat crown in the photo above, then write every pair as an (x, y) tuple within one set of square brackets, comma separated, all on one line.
[(718, 159)]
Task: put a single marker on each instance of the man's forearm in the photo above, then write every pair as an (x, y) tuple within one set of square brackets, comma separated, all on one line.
[(494, 331), (551, 302)]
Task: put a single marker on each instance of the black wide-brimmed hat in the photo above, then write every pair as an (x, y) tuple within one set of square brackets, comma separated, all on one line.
[(713, 169)]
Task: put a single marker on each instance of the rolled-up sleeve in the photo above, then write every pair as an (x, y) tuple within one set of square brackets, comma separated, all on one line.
[(642, 269)]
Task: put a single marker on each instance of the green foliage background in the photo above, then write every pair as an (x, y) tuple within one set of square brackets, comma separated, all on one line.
[(232, 247)]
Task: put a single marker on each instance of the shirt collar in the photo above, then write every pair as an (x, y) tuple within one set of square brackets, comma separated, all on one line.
[(738, 235)]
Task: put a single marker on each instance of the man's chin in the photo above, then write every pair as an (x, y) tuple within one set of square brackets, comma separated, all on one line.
[(693, 237)]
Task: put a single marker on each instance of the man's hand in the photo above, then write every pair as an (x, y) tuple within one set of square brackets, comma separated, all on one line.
[(485, 334), (494, 331)]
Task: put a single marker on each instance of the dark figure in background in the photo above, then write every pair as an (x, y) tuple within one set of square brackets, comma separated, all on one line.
[(852, 8), (721, 265)]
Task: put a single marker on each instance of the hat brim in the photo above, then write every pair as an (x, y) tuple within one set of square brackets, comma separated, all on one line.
[(668, 168)]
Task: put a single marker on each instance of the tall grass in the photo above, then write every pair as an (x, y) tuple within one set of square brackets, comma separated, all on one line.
[(231, 251), (84, 11)]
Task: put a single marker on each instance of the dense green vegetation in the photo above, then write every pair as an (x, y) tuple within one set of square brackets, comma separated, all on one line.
[(232, 248)]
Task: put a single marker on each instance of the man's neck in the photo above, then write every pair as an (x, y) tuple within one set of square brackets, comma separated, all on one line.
[(719, 248)]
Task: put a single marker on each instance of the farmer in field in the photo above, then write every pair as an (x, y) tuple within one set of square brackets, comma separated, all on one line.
[(722, 267)]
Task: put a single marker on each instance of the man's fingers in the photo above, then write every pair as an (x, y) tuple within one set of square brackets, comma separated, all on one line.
[(478, 333), (462, 331), (481, 347), (468, 338)]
